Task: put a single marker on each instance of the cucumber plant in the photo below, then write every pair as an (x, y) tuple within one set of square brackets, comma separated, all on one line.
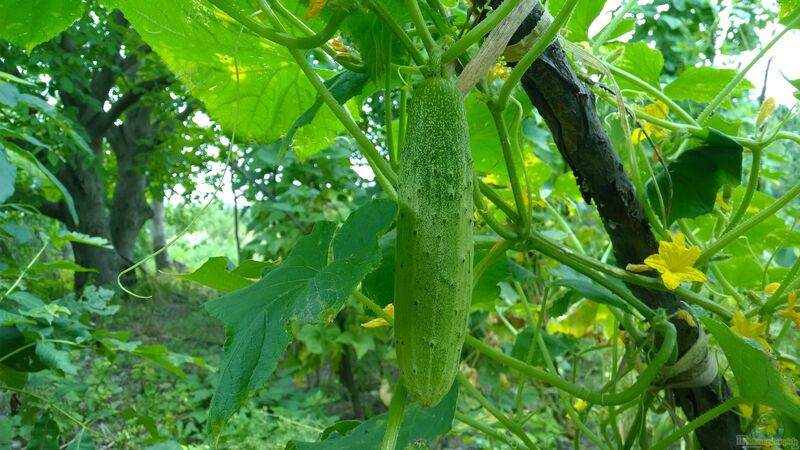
[(458, 190)]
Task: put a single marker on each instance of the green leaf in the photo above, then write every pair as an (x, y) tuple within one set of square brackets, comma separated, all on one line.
[(306, 288), (379, 284), (372, 38), (487, 153), (29, 23), (218, 273), (419, 425), (163, 357), (55, 358), (758, 379), (702, 84), (696, 175), (65, 195), (582, 17), (8, 173), (592, 291), (45, 433), (13, 378), (344, 86), (205, 49), (557, 345), (82, 442), (642, 61), (789, 10), (80, 238), (9, 318), (487, 291), (361, 342)]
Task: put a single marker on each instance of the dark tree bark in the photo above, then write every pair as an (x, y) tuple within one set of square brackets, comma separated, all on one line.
[(569, 111), (131, 141), (159, 233), (88, 194)]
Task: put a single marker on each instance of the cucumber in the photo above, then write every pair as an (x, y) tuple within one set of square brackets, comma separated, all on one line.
[(433, 265)]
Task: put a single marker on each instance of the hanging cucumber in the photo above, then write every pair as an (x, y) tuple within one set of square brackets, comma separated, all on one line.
[(433, 273)]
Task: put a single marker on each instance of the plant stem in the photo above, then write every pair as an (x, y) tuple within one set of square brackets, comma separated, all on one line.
[(599, 398), (63, 412), (498, 250), (726, 285), (752, 184), (776, 299), (708, 416), (499, 415), (487, 216), (25, 270), (387, 18), (383, 170), (422, 29), (536, 49), (280, 37), (573, 415), (401, 138), (524, 223), (655, 92), (564, 226), (724, 93), (616, 19), (745, 226), (396, 409), (387, 109), (479, 31), (489, 193), (300, 25), (485, 429)]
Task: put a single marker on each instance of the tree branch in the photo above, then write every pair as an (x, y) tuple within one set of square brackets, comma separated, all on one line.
[(103, 121)]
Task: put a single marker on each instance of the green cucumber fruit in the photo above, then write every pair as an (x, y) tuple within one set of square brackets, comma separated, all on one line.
[(433, 265)]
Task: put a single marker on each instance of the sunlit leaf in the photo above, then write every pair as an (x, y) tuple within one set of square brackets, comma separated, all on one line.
[(29, 23)]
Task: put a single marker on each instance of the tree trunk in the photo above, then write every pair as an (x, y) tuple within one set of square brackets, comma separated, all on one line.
[(129, 211), (568, 108), (159, 233), (88, 192)]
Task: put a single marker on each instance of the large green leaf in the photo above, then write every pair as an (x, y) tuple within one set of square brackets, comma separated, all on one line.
[(595, 292), (487, 153), (29, 23), (205, 48), (702, 84), (306, 288), (582, 17), (372, 38), (344, 86), (758, 379), (8, 173), (642, 61), (696, 175), (419, 425), (789, 10), (218, 273)]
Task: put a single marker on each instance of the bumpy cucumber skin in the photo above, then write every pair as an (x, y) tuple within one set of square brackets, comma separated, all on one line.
[(433, 269)]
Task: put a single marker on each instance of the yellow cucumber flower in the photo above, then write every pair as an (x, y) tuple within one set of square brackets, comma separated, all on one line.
[(753, 330), (789, 312), (659, 110), (380, 321), (674, 261)]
